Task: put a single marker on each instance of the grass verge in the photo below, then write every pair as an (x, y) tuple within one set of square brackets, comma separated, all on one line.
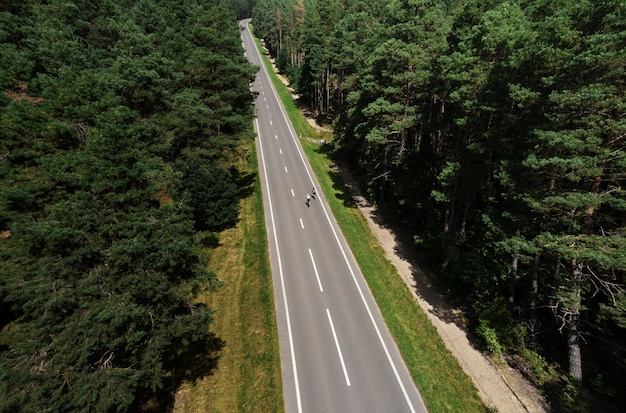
[(248, 374), (442, 382)]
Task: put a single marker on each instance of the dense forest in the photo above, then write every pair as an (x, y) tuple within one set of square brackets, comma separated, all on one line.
[(495, 131), (119, 123)]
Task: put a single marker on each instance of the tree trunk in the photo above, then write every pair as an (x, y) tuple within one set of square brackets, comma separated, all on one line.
[(328, 89), (573, 318), (513, 278), (448, 241), (534, 288), (464, 221), (279, 26), (512, 282), (533, 324), (446, 219)]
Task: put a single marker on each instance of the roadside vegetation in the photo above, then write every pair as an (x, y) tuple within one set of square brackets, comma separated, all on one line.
[(442, 383), (247, 377), (120, 125), (494, 130)]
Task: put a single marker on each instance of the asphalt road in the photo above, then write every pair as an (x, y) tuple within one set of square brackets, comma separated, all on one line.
[(336, 352)]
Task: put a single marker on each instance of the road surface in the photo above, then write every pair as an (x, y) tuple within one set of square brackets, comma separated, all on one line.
[(336, 352)]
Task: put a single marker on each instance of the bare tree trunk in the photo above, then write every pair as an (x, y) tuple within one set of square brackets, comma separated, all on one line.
[(512, 282), (446, 219), (572, 320), (448, 228), (279, 26), (320, 95), (464, 220), (533, 324), (327, 89), (534, 288)]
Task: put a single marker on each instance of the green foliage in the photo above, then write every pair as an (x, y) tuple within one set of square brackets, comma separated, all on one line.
[(495, 130), (614, 311), (498, 330), (489, 337), (99, 248), (573, 398), (213, 196), (242, 8), (543, 372), (600, 387)]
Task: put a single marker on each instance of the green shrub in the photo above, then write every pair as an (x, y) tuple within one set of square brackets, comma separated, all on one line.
[(498, 330), (489, 337), (543, 372), (573, 397)]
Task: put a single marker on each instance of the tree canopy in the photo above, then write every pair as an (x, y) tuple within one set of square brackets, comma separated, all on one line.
[(118, 122), (495, 131)]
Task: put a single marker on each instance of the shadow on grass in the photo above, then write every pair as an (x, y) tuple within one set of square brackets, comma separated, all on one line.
[(189, 364), (342, 189), (244, 181)]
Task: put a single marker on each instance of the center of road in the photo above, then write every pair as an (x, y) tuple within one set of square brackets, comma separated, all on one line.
[(347, 323)]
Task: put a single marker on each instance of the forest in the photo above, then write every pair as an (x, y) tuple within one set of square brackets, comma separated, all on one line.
[(119, 124), (494, 132)]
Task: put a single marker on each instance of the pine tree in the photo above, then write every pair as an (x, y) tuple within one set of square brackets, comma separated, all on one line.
[(98, 252)]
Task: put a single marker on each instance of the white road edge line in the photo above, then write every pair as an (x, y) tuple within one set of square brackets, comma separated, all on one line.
[(282, 276), (319, 282), (280, 265), (345, 257)]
